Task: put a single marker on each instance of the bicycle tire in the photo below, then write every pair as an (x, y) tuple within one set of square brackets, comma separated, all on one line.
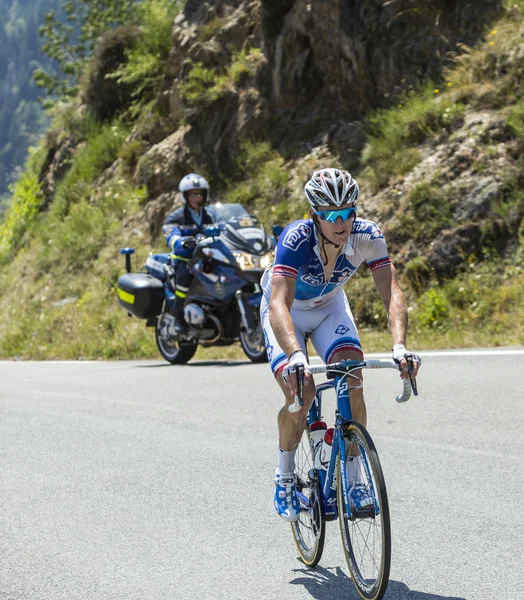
[(366, 533), (309, 531)]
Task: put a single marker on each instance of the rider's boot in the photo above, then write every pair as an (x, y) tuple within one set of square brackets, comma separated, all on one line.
[(180, 324), (286, 500)]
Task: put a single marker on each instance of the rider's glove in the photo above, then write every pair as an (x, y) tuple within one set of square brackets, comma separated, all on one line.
[(188, 242), (294, 359), (400, 352)]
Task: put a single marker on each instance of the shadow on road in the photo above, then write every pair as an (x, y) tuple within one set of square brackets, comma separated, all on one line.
[(326, 584), (201, 363)]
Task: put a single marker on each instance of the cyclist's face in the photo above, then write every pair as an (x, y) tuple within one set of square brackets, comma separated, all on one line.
[(336, 231), (195, 199)]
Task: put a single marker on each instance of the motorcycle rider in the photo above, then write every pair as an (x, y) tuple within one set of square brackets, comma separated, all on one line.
[(303, 293), (194, 193)]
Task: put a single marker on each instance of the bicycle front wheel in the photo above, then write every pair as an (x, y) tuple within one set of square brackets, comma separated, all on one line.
[(366, 536), (310, 529)]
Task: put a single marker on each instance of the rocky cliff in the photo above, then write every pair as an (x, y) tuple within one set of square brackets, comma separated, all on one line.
[(422, 101)]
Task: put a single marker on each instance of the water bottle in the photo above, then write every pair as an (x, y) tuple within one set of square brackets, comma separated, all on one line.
[(317, 429), (327, 446)]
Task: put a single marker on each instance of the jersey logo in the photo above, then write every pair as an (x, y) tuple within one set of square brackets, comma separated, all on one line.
[(341, 329), (367, 227), (295, 237), (312, 279)]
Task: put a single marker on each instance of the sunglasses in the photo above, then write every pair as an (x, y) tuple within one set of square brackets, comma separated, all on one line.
[(196, 194), (332, 215)]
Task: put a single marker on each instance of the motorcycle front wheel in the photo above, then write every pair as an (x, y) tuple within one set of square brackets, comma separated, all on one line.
[(253, 344), (173, 351)]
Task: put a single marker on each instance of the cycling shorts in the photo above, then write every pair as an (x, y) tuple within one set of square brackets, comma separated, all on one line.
[(328, 321)]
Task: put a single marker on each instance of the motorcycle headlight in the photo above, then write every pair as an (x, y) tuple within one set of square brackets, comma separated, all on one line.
[(267, 259), (248, 261)]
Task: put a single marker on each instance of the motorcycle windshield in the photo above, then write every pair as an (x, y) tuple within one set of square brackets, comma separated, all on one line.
[(242, 230)]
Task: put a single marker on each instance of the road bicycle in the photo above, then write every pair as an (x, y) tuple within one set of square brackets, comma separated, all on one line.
[(323, 492)]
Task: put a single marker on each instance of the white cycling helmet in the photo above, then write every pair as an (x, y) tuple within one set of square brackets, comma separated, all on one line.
[(193, 181), (331, 187)]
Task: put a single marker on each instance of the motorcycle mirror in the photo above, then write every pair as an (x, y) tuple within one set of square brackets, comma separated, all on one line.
[(127, 253)]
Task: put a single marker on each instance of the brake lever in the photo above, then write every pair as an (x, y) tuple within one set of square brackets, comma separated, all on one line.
[(412, 380), (299, 371), (299, 396)]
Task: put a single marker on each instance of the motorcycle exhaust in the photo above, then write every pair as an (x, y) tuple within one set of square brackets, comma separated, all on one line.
[(220, 332)]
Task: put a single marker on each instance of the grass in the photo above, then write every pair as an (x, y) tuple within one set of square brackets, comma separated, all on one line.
[(394, 133)]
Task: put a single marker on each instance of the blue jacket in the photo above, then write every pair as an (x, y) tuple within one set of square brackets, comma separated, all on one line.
[(177, 220)]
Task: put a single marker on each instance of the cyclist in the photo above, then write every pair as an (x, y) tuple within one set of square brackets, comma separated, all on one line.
[(194, 193), (303, 293)]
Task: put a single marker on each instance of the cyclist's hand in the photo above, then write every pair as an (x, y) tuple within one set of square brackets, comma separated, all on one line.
[(399, 356), (288, 373)]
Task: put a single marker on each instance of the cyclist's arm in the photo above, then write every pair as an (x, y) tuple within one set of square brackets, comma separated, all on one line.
[(282, 296), (387, 285)]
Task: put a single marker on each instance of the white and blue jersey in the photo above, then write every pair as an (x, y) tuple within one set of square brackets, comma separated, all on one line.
[(298, 256), (320, 307)]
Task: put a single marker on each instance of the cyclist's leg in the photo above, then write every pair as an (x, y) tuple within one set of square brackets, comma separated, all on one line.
[(335, 339), (291, 426)]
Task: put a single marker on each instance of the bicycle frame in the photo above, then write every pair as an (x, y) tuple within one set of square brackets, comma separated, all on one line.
[(343, 416), (352, 486)]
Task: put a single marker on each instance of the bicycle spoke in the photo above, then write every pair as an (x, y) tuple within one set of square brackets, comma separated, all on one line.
[(366, 539), (309, 529)]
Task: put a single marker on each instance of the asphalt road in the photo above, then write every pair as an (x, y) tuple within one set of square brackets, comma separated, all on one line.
[(142, 481)]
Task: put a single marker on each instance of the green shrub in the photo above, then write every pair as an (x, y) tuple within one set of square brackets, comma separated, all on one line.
[(393, 131), (130, 153), (201, 86), (146, 58), (75, 241), (24, 207), (244, 65), (426, 212), (209, 29), (516, 120), (418, 274), (263, 178), (433, 310)]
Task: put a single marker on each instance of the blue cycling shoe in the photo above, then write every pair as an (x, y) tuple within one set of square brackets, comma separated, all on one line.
[(286, 501), (360, 498)]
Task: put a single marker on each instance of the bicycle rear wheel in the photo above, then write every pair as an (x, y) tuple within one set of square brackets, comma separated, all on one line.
[(366, 537), (310, 529)]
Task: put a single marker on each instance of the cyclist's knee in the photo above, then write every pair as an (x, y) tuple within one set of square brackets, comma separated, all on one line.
[(309, 395), (355, 378)]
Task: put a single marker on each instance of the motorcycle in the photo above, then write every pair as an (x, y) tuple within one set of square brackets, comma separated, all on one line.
[(223, 302)]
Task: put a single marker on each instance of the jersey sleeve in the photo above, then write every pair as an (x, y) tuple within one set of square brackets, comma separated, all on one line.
[(291, 249), (376, 248)]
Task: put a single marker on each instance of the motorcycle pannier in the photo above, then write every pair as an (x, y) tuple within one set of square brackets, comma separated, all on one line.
[(140, 294)]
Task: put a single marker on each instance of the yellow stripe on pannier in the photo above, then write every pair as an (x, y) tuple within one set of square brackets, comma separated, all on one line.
[(125, 296)]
